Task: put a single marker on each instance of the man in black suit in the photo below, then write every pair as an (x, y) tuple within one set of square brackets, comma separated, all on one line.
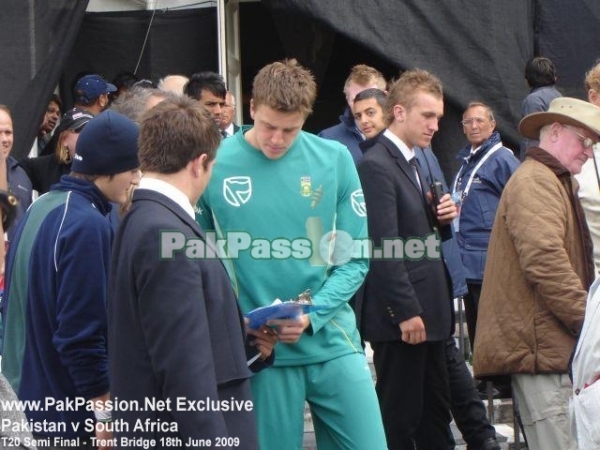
[(406, 305), (176, 336), (227, 126)]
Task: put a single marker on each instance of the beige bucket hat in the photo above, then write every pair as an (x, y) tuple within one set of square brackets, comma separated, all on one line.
[(564, 110)]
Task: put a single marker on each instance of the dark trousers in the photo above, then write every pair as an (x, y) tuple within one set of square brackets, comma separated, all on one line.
[(471, 301), (466, 405), (412, 387), (240, 424)]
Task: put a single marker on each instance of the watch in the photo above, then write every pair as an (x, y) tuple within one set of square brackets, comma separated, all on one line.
[(8, 205)]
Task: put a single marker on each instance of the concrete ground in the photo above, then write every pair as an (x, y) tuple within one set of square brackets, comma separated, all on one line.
[(502, 412), (504, 435)]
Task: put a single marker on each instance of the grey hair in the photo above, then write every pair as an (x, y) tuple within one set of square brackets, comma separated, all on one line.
[(133, 103)]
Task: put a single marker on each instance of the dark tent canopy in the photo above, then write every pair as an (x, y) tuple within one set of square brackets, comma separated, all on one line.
[(478, 49), (36, 37), (179, 42)]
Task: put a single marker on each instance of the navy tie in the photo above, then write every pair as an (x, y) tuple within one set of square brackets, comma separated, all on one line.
[(414, 162), (419, 176)]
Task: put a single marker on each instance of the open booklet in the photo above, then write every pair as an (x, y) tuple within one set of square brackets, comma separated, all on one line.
[(282, 310)]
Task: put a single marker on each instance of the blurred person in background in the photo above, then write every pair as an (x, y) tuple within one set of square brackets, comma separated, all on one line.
[(228, 128), (46, 170), (19, 184)]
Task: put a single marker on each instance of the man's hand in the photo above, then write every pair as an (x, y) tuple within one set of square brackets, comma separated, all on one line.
[(446, 211), (413, 330), (264, 340), (290, 330), (104, 437)]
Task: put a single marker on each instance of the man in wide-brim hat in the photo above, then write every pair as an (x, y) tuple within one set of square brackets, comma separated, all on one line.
[(566, 115), (538, 271)]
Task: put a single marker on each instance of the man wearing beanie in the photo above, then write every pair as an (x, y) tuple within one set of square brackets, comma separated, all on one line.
[(55, 300)]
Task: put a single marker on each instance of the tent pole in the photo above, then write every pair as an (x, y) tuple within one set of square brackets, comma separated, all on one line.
[(32, 45), (222, 39)]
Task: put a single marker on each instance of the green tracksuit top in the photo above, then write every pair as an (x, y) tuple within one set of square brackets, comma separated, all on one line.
[(277, 217)]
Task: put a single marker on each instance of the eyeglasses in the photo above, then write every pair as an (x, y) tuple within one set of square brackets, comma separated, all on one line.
[(474, 120), (585, 141)]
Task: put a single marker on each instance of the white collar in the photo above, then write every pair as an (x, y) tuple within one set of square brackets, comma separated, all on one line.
[(169, 191), (474, 150), (408, 153), (229, 130)]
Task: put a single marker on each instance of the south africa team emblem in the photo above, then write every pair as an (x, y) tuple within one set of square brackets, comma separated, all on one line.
[(237, 190), (305, 187)]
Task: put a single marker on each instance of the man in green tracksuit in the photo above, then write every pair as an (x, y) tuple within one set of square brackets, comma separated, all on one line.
[(287, 207)]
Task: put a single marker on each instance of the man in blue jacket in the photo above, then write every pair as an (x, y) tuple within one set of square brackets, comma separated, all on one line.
[(18, 181), (18, 438), (487, 165), (55, 349), (347, 132)]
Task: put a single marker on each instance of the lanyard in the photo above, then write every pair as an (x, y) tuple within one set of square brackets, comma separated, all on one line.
[(477, 167)]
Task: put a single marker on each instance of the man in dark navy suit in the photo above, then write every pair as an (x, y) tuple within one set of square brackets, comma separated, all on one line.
[(406, 305), (176, 336), (228, 127)]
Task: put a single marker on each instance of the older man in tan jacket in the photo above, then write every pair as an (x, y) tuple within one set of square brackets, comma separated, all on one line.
[(538, 271)]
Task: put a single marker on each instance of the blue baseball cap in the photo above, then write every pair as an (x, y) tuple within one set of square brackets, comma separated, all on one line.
[(90, 87)]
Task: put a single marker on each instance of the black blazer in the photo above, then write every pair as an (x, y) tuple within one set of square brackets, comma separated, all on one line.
[(44, 171), (174, 326), (397, 289)]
